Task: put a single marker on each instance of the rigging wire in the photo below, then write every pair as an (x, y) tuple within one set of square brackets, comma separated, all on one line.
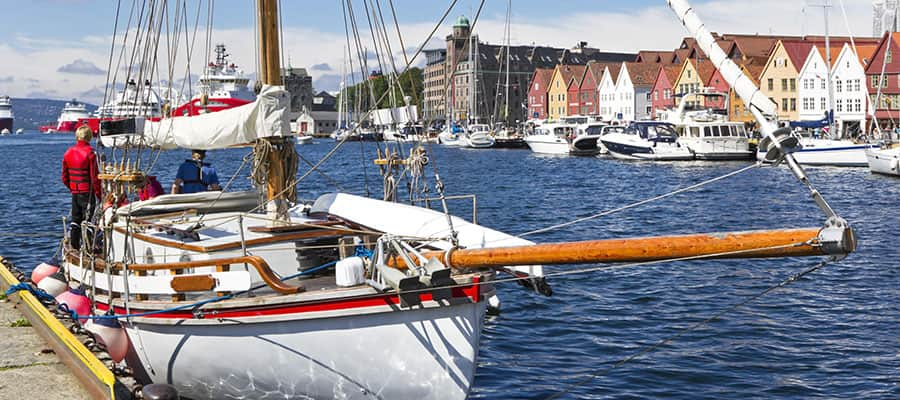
[(648, 349)]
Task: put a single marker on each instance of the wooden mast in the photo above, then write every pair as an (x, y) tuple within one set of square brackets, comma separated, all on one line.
[(751, 244), (270, 74)]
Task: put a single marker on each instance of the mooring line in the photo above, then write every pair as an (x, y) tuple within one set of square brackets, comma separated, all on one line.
[(648, 349)]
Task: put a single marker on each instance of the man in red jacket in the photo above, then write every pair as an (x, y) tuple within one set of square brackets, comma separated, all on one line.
[(79, 174)]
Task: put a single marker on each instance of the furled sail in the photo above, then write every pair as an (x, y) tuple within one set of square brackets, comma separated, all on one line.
[(265, 117)]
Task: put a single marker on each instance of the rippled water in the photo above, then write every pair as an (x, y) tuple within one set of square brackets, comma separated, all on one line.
[(832, 334)]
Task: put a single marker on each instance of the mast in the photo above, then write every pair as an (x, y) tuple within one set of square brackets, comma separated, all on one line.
[(341, 95), (278, 150), (506, 96), (825, 6)]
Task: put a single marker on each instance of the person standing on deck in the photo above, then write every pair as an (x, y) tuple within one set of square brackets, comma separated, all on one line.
[(80, 175), (194, 175)]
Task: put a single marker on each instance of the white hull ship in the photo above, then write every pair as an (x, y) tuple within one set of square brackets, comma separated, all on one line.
[(646, 141), (67, 122), (478, 136), (829, 152), (566, 139), (7, 117)]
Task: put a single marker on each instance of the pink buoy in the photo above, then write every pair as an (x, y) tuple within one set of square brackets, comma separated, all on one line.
[(76, 301), (43, 270), (113, 336), (55, 284)]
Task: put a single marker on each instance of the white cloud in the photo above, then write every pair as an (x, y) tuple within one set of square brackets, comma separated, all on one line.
[(649, 28)]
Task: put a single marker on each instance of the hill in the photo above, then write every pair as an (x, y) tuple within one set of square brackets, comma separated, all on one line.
[(32, 113)]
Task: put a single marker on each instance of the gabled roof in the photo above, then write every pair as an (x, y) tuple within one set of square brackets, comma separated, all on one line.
[(654, 56), (671, 72), (543, 75), (576, 73), (865, 52), (797, 51), (754, 70), (613, 71), (705, 69), (642, 74), (568, 72), (878, 56)]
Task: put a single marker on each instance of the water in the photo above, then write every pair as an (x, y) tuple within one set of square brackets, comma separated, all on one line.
[(833, 334)]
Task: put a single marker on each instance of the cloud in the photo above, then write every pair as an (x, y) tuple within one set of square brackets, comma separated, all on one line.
[(321, 67), (328, 83), (83, 67), (7, 79), (43, 94)]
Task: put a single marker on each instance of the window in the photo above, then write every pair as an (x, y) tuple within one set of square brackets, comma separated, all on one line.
[(838, 85), (793, 104), (840, 105), (771, 84), (823, 103), (888, 57), (857, 105), (856, 85), (689, 73), (805, 102), (655, 95), (784, 104), (874, 81), (667, 94), (793, 84), (784, 85)]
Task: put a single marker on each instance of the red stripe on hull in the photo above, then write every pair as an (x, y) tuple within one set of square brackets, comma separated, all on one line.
[(472, 292)]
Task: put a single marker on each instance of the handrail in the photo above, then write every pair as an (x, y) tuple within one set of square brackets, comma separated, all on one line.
[(261, 266)]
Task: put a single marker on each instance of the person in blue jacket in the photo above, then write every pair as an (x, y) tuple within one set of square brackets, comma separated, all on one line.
[(194, 175)]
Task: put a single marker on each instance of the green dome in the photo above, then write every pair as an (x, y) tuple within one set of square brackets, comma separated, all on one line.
[(461, 22)]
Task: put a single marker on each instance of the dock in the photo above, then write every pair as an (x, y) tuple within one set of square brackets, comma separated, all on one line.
[(39, 354)]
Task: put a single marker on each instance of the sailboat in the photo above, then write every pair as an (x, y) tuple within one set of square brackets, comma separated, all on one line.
[(207, 287)]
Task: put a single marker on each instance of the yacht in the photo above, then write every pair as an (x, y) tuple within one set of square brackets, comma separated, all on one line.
[(479, 136), (646, 140), (714, 138), (452, 135), (6, 115), (818, 151), (68, 118), (884, 161), (565, 138)]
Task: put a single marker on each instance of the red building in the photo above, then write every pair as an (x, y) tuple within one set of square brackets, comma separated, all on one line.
[(718, 84), (573, 90), (588, 92), (888, 106), (662, 96), (537, 93)]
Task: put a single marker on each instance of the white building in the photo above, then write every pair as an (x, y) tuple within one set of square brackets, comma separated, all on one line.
[(848, 83), (850, 93), (624, 96), (812, 90), (607, 93)]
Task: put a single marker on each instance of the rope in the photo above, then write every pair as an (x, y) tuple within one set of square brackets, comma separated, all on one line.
[(642, 202), (790, 279), (43, 296)]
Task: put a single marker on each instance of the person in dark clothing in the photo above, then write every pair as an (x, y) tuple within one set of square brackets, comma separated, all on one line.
[(80, 175), (194, 175)]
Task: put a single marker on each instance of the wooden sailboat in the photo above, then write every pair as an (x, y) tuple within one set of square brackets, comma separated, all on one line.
[(206, 284)]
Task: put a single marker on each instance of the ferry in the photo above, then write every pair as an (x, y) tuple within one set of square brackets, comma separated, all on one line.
[(6, 115)]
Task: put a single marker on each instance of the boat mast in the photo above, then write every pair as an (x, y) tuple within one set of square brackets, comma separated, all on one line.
[(341, 95), (506, 96), (825, 6), (277, 183)]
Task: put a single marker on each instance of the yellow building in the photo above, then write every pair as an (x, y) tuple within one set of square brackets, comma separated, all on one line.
[(778, 79), (557, 96), (692, 79), (737, 111)]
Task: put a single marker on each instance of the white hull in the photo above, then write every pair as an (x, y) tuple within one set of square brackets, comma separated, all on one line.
[(835, 153), (547, 144), (885, 161), (632, 147), (718, 148), (304, 139), (447, 138), (479, 141), (379, 352)]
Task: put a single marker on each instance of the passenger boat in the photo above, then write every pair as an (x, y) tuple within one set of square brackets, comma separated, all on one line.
[(68, 119), (646, 140), (707, 132), (564, 138), (208, 287), (7, 117)]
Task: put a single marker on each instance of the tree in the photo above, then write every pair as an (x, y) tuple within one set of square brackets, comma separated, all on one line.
[(409, 83)]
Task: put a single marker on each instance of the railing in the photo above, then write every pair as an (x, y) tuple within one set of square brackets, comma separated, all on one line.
[(459, 197)]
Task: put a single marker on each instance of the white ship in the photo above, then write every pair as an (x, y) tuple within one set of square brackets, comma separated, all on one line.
[(6, 115), (68, 118), (222, 86)]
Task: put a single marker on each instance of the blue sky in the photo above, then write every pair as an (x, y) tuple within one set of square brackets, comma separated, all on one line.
[(60, 48)]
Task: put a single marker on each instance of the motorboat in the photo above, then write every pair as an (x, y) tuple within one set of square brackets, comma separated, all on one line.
[(478, 136), (814, 150), (565, 138), (452, 135), (647, 140), (884, 161)]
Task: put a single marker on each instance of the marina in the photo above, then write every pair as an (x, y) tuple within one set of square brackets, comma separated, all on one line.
[(588, 241)]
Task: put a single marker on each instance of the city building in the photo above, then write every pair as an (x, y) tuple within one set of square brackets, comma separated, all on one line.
[(435, 93), (538, 93), (298, 82), (778, 79), (607, 92), (737, 110), (558, 94), (694, 74), (848, 76), (632, 99), (662, 95), (478, 86), (883, 81)]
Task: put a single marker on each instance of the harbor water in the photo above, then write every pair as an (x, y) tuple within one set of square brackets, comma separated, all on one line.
[(831, 334)]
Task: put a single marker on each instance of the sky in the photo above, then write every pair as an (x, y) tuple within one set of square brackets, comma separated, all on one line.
[(61, 49)]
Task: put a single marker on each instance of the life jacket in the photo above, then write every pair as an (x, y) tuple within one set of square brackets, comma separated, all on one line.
[(192, 177), (151, 190), (79, 171)]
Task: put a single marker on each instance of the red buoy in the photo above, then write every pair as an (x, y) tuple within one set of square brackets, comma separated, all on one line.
[(76, 301), (113, 336), (43, 270)]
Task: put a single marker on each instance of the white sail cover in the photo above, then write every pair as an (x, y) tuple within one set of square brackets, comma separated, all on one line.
[(399, 115), (265, 117)]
